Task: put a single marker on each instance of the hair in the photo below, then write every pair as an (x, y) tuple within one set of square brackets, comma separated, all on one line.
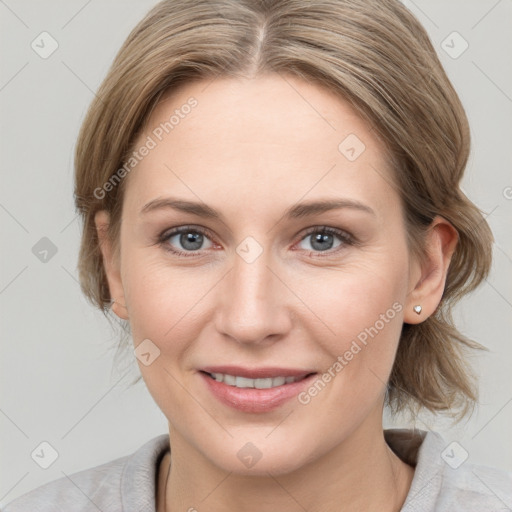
[(373, 54)]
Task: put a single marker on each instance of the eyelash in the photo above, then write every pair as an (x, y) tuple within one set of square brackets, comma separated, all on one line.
[(345, 238)]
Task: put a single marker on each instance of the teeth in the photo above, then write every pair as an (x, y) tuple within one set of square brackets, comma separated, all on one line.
[(279, 381), (229, 379), (262, 383), (244, 382)]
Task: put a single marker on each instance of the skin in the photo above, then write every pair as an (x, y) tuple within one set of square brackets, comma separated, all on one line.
[(250, 149)]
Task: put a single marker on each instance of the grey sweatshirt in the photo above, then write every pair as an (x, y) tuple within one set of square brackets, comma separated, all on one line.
[(444, 481)]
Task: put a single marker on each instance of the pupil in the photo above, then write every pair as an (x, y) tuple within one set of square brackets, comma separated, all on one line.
[(194, 239), (321, 239)]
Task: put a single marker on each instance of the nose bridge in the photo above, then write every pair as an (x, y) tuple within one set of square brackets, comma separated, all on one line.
[(252, 305)]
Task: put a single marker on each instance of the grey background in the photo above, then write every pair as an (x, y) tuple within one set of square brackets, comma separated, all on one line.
[(56, 376)]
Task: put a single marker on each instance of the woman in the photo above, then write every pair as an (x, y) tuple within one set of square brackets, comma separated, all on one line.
[(270, 197)]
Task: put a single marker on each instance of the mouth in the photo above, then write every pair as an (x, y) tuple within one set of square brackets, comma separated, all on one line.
[(255, 390), (239, 381)]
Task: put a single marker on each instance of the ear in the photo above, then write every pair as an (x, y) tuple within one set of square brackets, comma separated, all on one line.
[(428, 277), (111, 264)]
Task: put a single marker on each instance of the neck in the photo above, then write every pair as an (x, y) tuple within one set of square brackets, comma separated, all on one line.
[(362, 473)]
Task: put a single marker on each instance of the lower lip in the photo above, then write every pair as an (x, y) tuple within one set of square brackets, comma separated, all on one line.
[(255, 400)]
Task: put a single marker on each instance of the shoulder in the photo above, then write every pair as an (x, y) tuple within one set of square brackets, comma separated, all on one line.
[(109, 486), (446, 481), (85, 490), (473, 488)]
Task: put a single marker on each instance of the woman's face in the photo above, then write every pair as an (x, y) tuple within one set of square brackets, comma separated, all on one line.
[(258, 291)]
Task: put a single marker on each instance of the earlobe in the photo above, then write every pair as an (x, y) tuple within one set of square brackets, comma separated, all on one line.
[(428, 283), (111, 265)]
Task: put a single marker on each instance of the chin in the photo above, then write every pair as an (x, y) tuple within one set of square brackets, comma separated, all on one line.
[(261, 456)]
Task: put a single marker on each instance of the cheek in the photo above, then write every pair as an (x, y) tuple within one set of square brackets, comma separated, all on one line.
[(164, 304), (159, 297), (366, 317), (363, 309)]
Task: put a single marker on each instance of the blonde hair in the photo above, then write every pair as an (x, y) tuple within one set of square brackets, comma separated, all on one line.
[(372, 53)]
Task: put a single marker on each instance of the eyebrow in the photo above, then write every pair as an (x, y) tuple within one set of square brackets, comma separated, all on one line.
[(296, 211)]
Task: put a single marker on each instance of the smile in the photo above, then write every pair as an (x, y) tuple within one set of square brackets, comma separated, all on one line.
[(255, 390), (244, 382)]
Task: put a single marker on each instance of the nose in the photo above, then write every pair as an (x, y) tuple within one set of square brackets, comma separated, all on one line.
[(253, 304)]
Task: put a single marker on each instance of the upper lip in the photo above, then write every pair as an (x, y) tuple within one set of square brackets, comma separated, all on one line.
[(258, 373)]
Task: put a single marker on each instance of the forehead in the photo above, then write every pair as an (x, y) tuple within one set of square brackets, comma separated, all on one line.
[(274, 136), (274, 109)]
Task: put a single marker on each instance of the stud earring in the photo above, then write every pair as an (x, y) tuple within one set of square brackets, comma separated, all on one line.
[(417, 309)]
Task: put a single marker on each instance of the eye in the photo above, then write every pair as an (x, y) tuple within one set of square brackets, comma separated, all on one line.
[(185, 240), (323, 239), (189, 241)]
